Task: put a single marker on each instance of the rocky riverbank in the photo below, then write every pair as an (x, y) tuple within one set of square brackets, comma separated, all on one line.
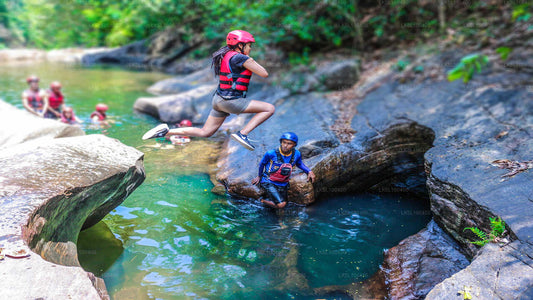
[(405, 131), (55, 181)]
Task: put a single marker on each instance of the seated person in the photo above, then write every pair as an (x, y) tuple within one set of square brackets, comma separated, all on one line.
[(34, 99), (275, 170), (55, 100)]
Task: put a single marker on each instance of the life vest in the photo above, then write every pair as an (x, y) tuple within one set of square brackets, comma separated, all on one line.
[(64, 119), (231, 81), (55, 100), (101, 116), (283, 172), (34, 98)]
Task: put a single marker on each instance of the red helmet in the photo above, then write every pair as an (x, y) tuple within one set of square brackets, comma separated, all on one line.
[(239, 36), (101, 107), (55, 84), (32, 78), (185, 123)]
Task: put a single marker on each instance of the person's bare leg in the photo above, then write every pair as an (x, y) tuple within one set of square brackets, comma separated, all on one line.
[(262, 111), (210, 127)]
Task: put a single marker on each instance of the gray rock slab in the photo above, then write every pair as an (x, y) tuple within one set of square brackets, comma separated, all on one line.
[(50, 189), (18, 126), (496, 273)]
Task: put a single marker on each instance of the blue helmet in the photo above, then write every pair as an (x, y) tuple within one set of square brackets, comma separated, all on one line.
[(291, 136)]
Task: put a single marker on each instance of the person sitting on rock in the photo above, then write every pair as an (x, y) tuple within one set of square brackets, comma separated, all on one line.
[(276, 167), (34, 99), (234, 68), (55, 100), (68, 116), (99, 115), (180, 139)]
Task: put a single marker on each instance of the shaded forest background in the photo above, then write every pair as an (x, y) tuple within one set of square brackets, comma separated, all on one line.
[(298, 28)]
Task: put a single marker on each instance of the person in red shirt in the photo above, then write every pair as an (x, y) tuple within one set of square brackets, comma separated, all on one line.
[(55, 100)]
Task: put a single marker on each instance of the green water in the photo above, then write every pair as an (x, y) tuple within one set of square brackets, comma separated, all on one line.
[(174, 239)]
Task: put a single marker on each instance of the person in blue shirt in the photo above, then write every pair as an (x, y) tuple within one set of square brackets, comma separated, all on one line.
[(275, 170)]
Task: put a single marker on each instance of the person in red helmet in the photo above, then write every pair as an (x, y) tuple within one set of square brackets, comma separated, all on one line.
[(55, 100), (68, 116), (99, 115), (34, 99), (234, 67), (180, 139)]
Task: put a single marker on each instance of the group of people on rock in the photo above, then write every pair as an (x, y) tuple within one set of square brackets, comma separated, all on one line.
[(50, 103), (234, 67)]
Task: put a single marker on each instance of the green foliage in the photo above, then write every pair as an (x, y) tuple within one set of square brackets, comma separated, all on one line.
[(401, 64), (522, 12), (467, 66), (504, 52), (497, 229)]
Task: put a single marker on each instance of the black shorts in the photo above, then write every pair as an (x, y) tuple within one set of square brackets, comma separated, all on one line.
[(275, 193)]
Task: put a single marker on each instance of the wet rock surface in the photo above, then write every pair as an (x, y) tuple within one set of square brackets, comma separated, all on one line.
[(51, 189), (420, 262)]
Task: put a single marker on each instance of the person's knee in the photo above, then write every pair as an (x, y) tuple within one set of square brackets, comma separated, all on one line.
[(207, 132), (270, 108)]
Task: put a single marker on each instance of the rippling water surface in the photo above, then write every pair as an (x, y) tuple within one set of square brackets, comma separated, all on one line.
[(174, 239)]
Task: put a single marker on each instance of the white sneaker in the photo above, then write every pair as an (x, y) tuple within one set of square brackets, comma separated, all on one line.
[(159, 131)]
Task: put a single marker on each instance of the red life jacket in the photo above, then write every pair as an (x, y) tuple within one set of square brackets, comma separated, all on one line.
[(230, 81), (34, 98), (283, 173), (101, 116), (55, 100)]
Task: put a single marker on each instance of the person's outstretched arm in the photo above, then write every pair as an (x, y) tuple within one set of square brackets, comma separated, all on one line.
[(253, 66)]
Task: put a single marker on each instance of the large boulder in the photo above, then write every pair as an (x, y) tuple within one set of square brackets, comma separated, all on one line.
[(18, 126), (132, 55), (176, 85), (329, 75), (50, 189), (191, 105), (420, 262)]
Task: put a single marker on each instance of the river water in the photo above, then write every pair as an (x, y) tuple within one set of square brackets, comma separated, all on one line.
[(174, 239)]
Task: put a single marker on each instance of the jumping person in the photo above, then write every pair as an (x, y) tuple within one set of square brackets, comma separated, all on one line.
[(34, 99), (55, 100), (275, 170), (234, 68)]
